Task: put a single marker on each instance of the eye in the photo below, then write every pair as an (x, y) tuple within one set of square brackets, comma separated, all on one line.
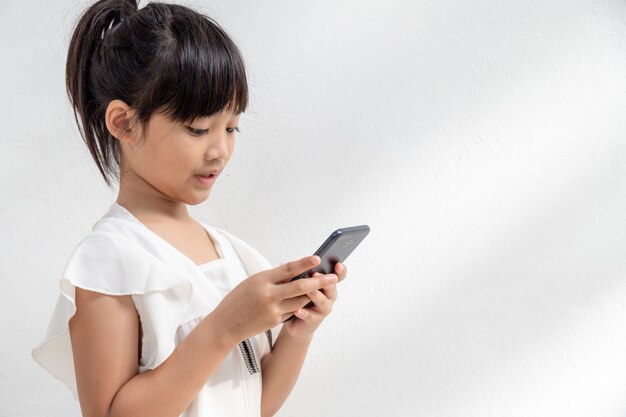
[(197, 132), (232, 129)]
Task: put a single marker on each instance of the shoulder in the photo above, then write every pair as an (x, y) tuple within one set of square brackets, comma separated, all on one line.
[(95, 263), (114, 264)]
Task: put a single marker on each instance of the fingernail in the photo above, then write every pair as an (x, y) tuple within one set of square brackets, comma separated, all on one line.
[(331, 278)]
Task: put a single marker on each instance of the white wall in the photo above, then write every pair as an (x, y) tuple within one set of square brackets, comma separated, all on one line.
[(483, 142)]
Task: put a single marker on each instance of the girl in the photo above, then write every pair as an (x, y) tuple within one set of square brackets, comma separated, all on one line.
[(161, 315)]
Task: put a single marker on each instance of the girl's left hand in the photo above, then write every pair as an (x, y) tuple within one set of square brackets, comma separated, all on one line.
[(307, 319)]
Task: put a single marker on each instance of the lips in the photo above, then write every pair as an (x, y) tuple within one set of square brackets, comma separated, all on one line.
[(208, 177), (210, 173)]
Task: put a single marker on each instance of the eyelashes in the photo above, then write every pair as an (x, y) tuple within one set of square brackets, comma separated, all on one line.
[(197, 132), (200, 132)]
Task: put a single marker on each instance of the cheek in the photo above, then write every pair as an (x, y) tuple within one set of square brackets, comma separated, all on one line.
[(177, 160), (181, 160), (231, 148)]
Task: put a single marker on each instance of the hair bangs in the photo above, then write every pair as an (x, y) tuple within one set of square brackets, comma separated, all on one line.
[(208, 73)]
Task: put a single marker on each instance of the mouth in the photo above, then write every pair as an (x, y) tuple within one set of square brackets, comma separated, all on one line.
[(209, 174), (207, 178)]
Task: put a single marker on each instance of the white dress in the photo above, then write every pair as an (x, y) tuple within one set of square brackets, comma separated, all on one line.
[(120, 256)]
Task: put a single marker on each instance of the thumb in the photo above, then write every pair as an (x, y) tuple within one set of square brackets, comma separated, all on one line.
[(289, 270)]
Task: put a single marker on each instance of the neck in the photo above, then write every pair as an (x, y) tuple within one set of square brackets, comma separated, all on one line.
[(148, 204)]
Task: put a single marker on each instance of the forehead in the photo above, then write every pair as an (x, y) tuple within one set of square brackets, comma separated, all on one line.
[(223, 115)]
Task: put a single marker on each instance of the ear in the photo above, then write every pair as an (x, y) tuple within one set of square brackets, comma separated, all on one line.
[(117, 119)]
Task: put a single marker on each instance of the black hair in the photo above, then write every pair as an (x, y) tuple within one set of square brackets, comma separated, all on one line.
[(160, 58)]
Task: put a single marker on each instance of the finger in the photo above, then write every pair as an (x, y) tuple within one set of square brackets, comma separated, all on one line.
[(302, 313), (291, 304), (308, 315), (322, 303), (305, 313), (305, 286), (331, 292), (291, 269), (341, 271), (287, 316)]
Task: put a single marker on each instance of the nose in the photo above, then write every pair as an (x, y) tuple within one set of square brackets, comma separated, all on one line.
[(218, 147)]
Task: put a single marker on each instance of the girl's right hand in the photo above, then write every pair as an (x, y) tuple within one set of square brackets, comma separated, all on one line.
[(268, 298)]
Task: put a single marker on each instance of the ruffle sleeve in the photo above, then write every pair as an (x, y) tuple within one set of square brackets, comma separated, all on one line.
[(114, 265)]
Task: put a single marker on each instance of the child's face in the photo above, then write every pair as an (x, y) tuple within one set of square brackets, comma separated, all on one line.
[(172, 154)]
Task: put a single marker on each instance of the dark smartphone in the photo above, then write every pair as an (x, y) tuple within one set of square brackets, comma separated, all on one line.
[(336, 248)]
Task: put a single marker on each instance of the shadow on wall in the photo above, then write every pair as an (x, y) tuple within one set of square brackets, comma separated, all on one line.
[(502, 319)]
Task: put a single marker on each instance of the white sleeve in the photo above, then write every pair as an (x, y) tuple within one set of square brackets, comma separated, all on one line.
[(113, 265)]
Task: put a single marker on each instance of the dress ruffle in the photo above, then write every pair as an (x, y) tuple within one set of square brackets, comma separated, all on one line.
[(115, 266)]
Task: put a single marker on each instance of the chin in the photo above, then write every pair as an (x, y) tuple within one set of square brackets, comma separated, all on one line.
[(197, 200)]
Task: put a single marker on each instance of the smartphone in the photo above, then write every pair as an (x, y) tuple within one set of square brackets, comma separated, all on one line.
[(335, 249)]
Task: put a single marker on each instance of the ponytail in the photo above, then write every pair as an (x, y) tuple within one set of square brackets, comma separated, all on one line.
[(163, 56), (86, 42)]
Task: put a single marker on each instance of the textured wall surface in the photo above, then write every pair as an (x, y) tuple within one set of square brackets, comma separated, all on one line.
[(484, 144)]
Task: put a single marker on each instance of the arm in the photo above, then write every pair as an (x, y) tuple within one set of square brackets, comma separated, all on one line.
[(105, 333), (282, 365), (105, 343), (280, 370)]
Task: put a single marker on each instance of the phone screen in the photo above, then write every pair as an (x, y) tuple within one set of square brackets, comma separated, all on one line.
[(336, 248)]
